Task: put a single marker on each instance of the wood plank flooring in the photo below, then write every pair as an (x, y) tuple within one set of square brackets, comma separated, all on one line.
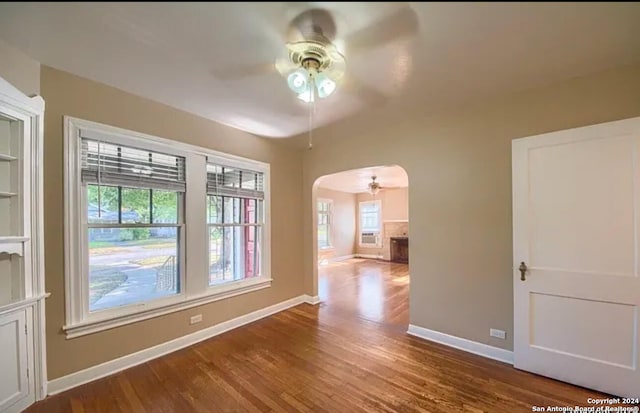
[(348, 354)]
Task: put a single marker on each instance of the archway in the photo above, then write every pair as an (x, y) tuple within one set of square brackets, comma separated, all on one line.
[(360, 232)]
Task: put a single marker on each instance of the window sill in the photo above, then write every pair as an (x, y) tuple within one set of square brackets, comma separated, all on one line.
[(370, 246), (326, 248), (219, 292)]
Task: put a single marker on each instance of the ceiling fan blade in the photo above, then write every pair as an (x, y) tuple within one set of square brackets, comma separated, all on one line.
[(336, 70), (402, 23), (284, 66), (366, 93), (239, 72), (311, 23)]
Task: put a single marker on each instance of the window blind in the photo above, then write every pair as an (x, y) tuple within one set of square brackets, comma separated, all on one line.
[(234, 182), (113, 164)]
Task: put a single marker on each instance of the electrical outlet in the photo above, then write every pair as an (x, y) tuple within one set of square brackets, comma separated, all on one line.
[(195, 319), (497, 333)]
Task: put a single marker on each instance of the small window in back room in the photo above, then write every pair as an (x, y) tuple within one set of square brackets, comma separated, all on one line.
[(370, 223), (324, 224)]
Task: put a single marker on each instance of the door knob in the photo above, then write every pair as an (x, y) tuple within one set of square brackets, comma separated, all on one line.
[(523, 270)]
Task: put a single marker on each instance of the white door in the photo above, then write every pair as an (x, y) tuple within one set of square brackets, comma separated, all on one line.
[(14, 384), (576, 211)]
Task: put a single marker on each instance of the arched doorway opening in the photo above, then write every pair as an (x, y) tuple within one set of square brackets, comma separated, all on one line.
[(361, 243)]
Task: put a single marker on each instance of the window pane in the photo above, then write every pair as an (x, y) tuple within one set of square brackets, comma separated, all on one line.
[(234, 253), (131, 265), (216, 263), (233, 263), (323, 236), (260, 211), (369, 207), (370, 217), (231, 210), (102, 204), (249, 180), (253, 239), (135, 206), (214, 210), (165, 207), (249, 211)]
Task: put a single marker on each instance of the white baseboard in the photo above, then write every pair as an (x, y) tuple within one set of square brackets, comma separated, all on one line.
[(343, 258), (370, 256), (113, 366), (311, 299), (474, 347)]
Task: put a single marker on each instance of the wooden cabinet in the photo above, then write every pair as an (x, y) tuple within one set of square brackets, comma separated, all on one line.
[(22, 345), (400, 249)]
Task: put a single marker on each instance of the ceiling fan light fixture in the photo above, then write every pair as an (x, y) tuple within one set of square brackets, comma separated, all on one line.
[(298, 81), (306, 96), (325, 85)]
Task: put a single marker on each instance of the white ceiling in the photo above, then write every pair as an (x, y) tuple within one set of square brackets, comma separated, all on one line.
[(190, 55), (357, 180)]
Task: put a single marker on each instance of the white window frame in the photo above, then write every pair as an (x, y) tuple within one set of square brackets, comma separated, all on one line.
[(195, 289), (221, 161), (329, 222), (360, 231)]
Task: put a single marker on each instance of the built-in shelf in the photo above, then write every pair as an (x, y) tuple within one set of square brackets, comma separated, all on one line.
[(7, 194), (12, 245), (16, 248), (12, 239), (5, 157)]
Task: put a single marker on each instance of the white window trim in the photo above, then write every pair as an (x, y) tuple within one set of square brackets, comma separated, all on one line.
[(379, 243), (196, 290), (330, 202)]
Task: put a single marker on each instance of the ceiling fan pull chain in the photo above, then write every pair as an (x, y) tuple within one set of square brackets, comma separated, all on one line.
[(312, 107)]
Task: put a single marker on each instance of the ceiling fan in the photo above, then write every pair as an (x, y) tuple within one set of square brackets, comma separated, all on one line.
[(374, 187), (314, 67)]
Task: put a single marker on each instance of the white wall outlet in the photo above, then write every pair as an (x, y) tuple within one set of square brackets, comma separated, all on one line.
[(195, 319), (497, 333)]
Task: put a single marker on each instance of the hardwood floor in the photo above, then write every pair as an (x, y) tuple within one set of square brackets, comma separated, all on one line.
[(348, 354)]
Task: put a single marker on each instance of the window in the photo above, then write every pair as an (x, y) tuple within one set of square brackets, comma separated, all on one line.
[(235, 218), (370, 223), (324, 223), (139, 211), (134, 223)]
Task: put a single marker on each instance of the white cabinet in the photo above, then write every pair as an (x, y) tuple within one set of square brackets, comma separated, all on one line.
[(14, 380), (22, 345)]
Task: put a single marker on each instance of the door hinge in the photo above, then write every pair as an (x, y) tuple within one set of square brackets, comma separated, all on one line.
[(25, 329), (27, 372)]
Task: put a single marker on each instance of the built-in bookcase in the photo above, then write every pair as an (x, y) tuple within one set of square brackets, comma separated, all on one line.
[(21, 257), (12, 225)]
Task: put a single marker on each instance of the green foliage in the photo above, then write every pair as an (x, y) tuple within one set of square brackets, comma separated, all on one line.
[(125, 234), (100, 244), (140, 233), (136, 201), (165, 207), (108, 197)]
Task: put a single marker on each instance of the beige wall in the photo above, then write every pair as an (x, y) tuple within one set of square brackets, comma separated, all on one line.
[(395, 207), (19, 69), (343, 224), (459, 167), (66, 94)]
